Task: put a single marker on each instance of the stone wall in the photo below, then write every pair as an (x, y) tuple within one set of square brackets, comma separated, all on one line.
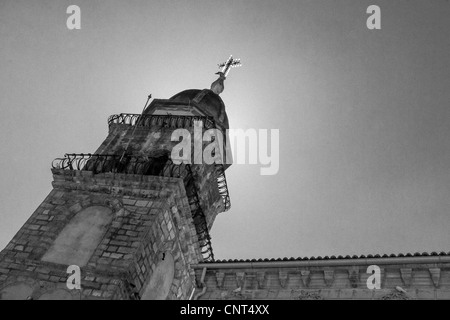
[(423, 277), (150, 141), (151, 218)]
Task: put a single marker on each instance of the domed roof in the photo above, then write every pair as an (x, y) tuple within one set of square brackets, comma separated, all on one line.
[(186, 95), (208, 97), (207, 100)]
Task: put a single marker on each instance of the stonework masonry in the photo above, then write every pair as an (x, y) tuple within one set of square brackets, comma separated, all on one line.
[(402, 278), (151, 216), (133, 231), (157, 140)]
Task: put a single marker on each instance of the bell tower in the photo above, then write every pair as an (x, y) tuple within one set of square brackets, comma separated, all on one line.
[(127, 221)]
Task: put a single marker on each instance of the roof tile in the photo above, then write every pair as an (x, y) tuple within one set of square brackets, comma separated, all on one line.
[(369, 256)]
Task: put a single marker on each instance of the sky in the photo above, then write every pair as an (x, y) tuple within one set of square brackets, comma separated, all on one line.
[(363, 115)]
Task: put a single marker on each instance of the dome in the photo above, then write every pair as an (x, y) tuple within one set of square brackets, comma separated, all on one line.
[(208, 97), (206, 101), (186, 95)]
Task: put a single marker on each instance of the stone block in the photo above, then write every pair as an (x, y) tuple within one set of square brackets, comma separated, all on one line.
[(443, 294), (425, 294)]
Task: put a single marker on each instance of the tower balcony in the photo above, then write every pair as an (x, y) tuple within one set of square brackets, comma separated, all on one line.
[(128, 164), (156, 166)]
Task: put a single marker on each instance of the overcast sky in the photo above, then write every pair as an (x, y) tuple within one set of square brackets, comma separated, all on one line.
[(363, 114)]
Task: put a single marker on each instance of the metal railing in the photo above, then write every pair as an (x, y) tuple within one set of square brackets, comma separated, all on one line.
[(101, 163), (169, 121), (223, 187)]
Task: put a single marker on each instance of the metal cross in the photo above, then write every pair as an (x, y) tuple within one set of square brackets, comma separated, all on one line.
[(230, 63)]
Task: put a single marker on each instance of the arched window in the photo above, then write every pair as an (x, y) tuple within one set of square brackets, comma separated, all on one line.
[(80, 237)]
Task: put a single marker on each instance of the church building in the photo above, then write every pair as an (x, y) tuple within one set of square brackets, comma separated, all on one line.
[(128, 222)]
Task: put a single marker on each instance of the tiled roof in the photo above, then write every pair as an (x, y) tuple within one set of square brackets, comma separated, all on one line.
[(400, 255)]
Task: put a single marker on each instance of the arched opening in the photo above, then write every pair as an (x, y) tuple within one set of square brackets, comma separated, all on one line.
[(158, 286), (80, 237)]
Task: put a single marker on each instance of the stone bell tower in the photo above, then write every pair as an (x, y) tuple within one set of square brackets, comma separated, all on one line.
[(129, 217)]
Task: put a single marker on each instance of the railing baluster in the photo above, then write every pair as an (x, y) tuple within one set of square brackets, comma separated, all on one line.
[(146, 120)]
